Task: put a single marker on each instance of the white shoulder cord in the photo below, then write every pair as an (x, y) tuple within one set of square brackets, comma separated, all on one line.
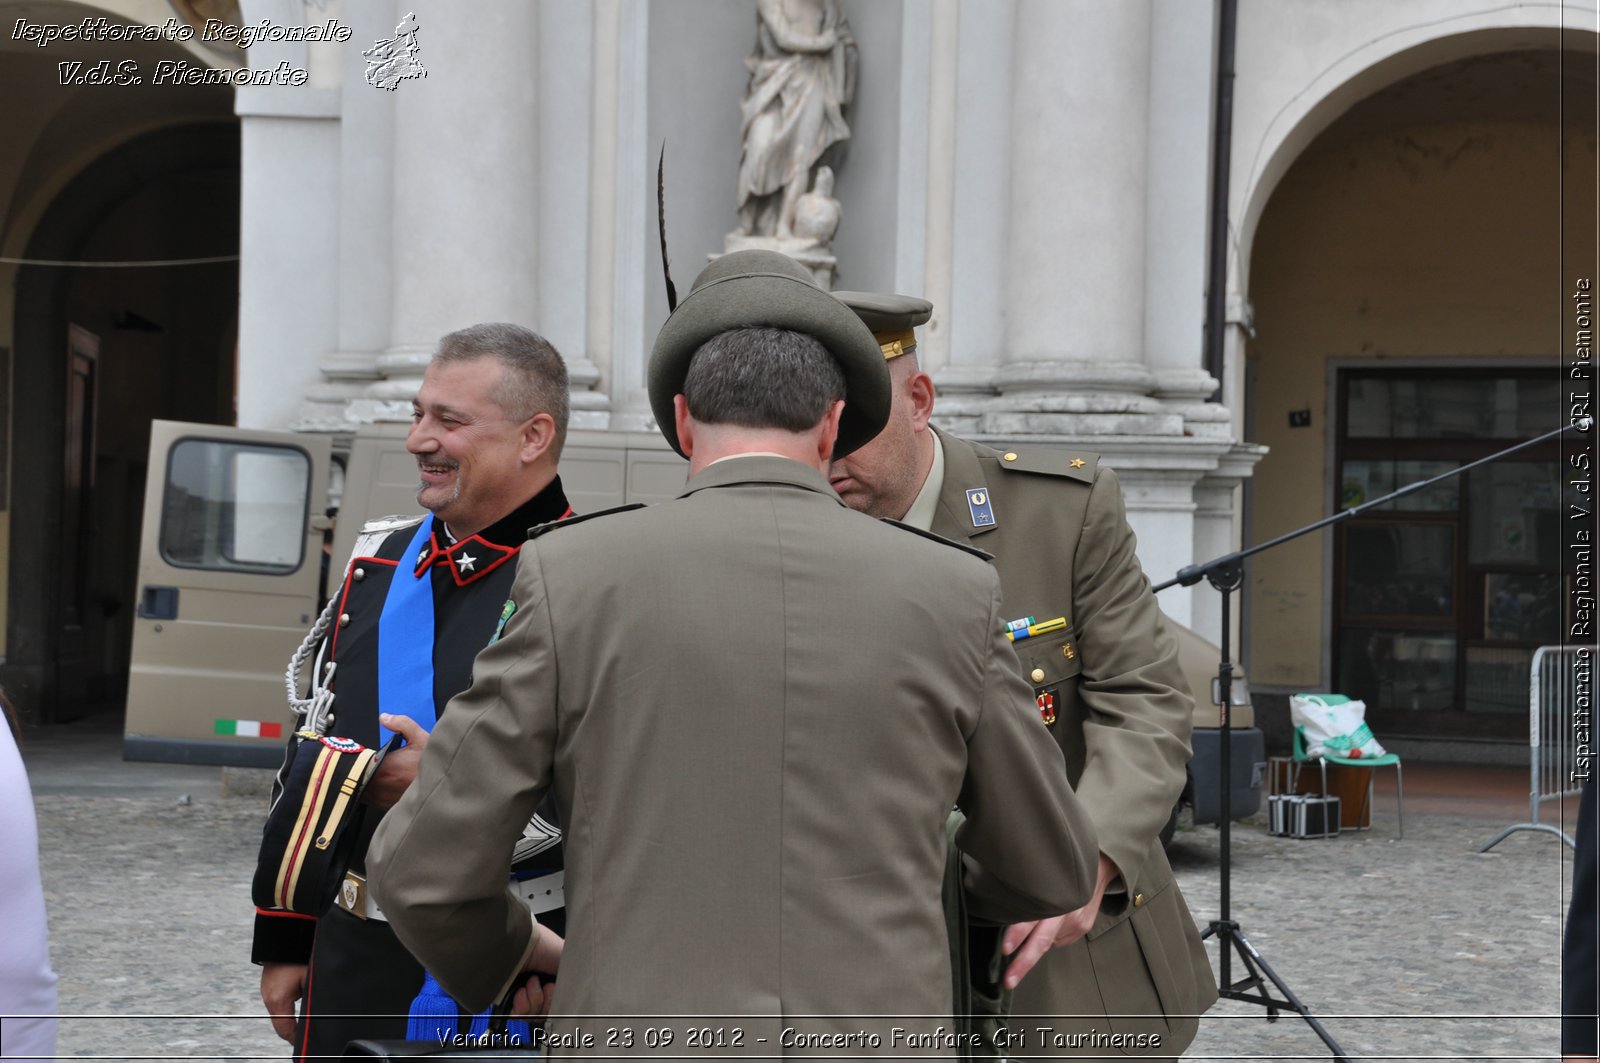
[(315, 711)]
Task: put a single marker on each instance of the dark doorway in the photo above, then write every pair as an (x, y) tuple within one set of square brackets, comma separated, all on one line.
[(98, 354), (77, 507)]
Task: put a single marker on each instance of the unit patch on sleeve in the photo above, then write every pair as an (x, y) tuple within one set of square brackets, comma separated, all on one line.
[(505, 614)]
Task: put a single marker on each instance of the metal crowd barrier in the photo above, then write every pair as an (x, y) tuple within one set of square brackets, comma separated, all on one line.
[(1552, 701)]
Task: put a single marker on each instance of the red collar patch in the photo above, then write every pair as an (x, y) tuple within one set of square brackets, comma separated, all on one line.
[(469, 559)]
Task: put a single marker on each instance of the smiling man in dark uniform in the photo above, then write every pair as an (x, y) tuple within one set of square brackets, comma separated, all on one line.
[(487, 428), (1105, 674)]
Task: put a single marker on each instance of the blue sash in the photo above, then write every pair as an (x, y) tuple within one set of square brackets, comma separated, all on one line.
[(405, 638), (405, 685)]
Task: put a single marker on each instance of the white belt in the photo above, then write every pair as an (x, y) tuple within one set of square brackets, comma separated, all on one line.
[(543, 894)]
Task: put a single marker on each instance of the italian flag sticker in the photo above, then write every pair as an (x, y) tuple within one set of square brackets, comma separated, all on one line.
[(250, 728)]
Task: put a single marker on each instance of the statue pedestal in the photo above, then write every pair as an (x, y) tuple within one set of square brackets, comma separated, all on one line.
[(818, 259)]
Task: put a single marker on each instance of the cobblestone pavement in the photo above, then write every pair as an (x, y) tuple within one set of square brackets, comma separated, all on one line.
[(1421, 948), (1413, 949)]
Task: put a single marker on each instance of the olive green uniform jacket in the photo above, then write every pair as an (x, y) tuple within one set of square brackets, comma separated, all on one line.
[(756, 708), (1123, 717)]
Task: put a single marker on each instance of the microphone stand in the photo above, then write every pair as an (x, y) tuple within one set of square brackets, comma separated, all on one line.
[(1226, 574)]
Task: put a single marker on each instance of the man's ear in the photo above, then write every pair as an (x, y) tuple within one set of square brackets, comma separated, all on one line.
[(919, 390), (829, 434), (684, 423), (538, 437)]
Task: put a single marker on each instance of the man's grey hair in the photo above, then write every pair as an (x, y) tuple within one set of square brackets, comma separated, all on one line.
[(762, 378), (535, 379)]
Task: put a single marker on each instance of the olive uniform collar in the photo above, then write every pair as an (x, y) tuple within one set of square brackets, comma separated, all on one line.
[(759, 468), (925, 506), (957, 514)]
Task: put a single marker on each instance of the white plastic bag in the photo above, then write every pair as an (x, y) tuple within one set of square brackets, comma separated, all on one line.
[(1334, 726)]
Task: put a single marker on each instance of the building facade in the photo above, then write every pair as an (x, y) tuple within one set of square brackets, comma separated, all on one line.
[(1410, 204)]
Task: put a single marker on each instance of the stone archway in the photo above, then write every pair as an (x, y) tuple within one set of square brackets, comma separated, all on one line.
[(1424, 236), (1263, 156)]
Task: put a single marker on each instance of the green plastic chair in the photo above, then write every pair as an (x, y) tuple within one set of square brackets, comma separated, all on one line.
[(1388, 760)]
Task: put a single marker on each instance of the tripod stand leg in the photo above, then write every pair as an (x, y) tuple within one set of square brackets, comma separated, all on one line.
[(1250, 989), (1229, 936)]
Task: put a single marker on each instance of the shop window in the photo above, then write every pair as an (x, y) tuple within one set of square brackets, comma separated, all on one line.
[(1442, 596)]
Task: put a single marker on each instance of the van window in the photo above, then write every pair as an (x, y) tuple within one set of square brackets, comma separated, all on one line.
[(234, 506)]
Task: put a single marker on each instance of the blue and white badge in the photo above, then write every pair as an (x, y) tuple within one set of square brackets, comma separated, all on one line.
[(980, 507)]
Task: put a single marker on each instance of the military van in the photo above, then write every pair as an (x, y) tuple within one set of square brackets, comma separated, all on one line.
[(245, 534)]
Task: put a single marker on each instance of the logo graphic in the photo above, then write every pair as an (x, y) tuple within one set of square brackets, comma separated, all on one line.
[(980, 507), (394, 60)]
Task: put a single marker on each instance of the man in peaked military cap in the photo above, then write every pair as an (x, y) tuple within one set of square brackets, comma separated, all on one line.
[(1105, 675), (753, 774)]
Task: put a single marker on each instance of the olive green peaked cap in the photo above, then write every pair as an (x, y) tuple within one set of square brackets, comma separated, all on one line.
[(765, 289), (892, 318)]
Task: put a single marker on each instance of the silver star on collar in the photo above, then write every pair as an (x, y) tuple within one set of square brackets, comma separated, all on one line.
[(466, 561)]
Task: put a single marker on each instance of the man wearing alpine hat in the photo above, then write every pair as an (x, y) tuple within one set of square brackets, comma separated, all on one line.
[(756, 708), (1104, 671)]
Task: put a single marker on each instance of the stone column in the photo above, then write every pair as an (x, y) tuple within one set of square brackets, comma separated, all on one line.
[(972, 321), (366, 147), (1075, 279), (288, 225), (566, 133), (1182, 64), (464, 218), (618, 219), (1217, 532)]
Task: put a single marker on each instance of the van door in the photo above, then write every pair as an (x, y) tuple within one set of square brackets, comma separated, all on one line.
[(230, 567)]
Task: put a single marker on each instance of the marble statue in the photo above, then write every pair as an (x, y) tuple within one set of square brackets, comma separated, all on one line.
[(802, 77), (816, 215)]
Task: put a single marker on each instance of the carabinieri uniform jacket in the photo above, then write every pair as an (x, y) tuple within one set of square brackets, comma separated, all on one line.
[(472, 581)]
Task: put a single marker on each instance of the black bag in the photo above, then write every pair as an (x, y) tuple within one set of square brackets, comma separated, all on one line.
[(981, 1002), (379, 1049), (494, 1046), (312, 828)]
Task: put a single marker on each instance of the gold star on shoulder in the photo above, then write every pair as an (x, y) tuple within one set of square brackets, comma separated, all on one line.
[(1078, 463)]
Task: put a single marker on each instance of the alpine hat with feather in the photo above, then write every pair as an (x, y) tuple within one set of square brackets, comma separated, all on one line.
[(766, 289)]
